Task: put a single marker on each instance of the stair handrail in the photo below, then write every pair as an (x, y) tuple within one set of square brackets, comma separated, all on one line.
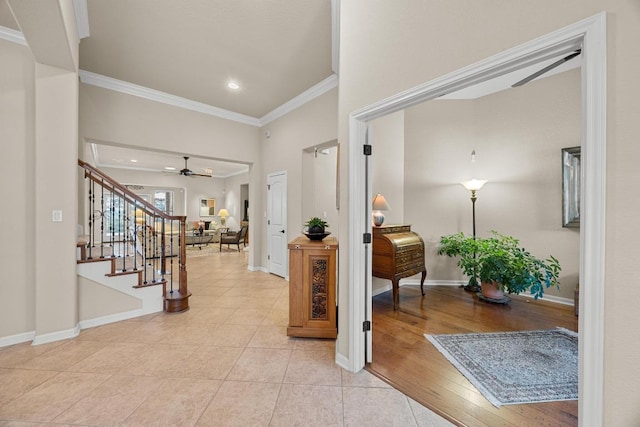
[(100, 178)]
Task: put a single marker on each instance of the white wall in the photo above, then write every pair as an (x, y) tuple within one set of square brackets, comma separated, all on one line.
[(311, 124), (517, 135), (193, 189), (385, 49), (319, 183), (233, 201), (387, 137), (17, 140)]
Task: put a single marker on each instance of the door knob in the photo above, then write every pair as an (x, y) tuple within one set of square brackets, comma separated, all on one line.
[(282, 231)]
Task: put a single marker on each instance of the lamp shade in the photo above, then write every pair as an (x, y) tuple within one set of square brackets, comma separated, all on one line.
[(474, 184), (223, 213), (380, 203)]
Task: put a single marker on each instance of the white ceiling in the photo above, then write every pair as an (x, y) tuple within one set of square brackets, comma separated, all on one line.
[(154, 161), (275, 49)]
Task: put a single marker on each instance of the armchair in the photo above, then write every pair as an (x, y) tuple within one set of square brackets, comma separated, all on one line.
[(233, 238)]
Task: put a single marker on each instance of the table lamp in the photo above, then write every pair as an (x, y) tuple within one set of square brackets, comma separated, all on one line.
[(379, 204), (223, 214)]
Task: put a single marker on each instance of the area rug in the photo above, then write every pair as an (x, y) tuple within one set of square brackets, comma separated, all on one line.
[(511, 368), (204, 250)]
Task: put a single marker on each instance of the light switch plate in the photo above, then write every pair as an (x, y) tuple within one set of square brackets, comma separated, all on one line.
[(56, 216)]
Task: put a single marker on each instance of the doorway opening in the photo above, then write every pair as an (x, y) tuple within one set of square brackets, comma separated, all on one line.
[(588, 35)]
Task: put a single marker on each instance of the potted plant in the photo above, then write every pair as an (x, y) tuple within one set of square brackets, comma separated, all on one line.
[(500, 263), (316, 228)]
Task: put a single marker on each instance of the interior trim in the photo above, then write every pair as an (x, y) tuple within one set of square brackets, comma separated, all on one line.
[(12, 36), (313, 92), (17, 339), (94, 79), (127, 88), (56, 336), (82, 18), (591, 34)]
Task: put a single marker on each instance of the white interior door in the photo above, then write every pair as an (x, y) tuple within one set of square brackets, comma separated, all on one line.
[(277, 223)]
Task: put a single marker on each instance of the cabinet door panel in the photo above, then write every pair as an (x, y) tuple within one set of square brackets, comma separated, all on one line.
[(318, 299)]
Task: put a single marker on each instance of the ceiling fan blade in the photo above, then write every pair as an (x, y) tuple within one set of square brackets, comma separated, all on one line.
[(547, 68), (188, 172)]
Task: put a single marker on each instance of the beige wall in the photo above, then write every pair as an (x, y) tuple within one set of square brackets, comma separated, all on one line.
[(518, 135), (319, 179), (56, 190), (387, 137), (386, 49), (232, 198), (17, 139), (40, 105), (192, 189), (96, 300), (127, 120), (311, 124)]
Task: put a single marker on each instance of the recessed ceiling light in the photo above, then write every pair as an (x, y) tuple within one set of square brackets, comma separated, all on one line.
[(208, 170), (134, 161), (170, 168), (233, 85)]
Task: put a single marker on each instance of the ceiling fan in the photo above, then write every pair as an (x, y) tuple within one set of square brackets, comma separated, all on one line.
[(188, 172), (547, 68)]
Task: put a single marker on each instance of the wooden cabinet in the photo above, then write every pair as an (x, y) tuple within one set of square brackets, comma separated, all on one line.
[(312, 288)]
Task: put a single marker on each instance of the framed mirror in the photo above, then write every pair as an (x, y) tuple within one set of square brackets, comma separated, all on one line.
[(571, 187), (207, 207)]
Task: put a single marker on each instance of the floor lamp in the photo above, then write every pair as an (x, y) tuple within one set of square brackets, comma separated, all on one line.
[(473, 185)]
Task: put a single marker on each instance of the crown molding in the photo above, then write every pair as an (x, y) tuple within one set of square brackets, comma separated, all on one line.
[(313, 92), (13, 36), (82, 18), (127, 88)]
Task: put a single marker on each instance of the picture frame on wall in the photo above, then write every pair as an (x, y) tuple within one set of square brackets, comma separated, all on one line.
[(207, 207), (571, 187)]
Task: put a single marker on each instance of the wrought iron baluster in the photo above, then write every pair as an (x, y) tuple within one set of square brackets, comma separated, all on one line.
[(91, 206), (102, 219)]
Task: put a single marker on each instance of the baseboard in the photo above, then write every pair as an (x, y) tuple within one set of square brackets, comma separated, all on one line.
[(117, 317), (57, 336), (552, 298), (17, 339), (416, 282), (342, 361), (257, 268)]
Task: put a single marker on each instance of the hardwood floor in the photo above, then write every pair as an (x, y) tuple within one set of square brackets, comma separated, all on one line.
[(405, 359)]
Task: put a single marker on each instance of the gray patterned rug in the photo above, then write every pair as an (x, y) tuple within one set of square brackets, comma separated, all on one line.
[(511, 368)]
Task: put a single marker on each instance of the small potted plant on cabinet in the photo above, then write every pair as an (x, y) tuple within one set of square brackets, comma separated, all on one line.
[(315, 228), (501, 265)]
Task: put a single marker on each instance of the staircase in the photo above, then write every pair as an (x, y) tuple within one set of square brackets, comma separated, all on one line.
[(129, 237)]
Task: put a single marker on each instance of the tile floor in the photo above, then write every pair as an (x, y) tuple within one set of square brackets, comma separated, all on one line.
[(227, 361)]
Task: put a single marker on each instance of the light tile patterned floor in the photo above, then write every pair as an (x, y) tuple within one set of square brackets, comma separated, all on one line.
[(225, 362)]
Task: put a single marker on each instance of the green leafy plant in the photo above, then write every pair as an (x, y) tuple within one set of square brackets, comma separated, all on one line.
[(500, 260), (316, 223)]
